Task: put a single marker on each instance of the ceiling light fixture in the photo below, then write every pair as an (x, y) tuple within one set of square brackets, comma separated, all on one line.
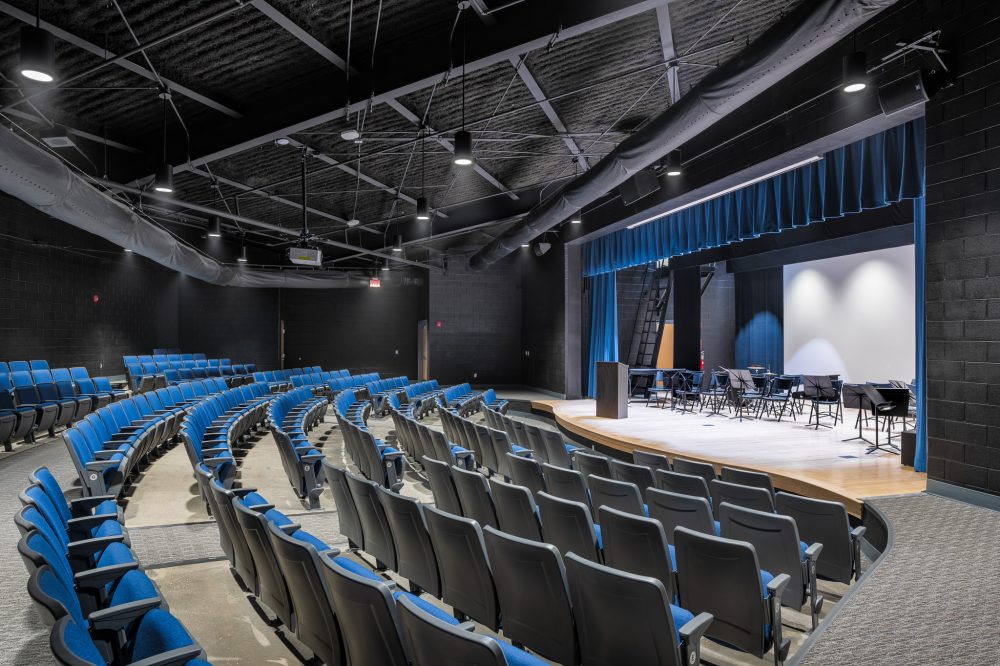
[(164, 182), (855, 72), (734, 188), (423, 210), (127, 249), (214, 227), (463, 139), (353, 222), (525, 245), (576, 218), (397, 245), (385, 265), (38, 52), (350, 134), (243, 254), (674, 163), (282, 141)]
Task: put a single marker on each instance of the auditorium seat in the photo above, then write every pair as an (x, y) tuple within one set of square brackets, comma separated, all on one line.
[(466, 582), (704, 470), (474, 496), (747, 478), (534, 596), (654, 461), (682, 484), (70, 409), (516, 511), (415, 557), (68, 527), (723, 577), (567, 484), (104, 475), (558, 451), (48, 415), (432, 640), (378, 534), (442, 486), (750, 497), (676, 510), (71, 387), (638, 545), (616, 495), (231, 538), (568, 526), (623, 618), (779, 550), (639, 475), (526, 472), (824, 522), (20, 419), (348, 521), (158, 638)]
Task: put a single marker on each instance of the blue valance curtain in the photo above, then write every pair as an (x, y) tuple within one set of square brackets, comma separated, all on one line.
[(873, 172), (603, 325)]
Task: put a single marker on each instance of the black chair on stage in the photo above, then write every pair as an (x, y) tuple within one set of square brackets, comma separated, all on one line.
[(823, 391), (743, 393), (691, 393), (715, 395), (776, 401), (658, 392)]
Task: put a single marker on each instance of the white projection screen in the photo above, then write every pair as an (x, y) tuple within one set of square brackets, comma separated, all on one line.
[(852, 315)]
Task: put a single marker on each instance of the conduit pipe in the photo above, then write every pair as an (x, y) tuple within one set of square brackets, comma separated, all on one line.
[(803, 34)]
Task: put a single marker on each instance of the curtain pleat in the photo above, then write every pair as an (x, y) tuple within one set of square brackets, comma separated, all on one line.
[(603, 325)]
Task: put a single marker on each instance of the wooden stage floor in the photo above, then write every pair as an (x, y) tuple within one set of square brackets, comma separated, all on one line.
[(799, 459)]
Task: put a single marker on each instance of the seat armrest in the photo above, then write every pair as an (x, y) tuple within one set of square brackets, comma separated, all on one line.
[(86, 523), (101, 465), (777, 586), (172, 657), (261, 508), (395, 455), (858, 532), (215, 451), (242, 492), (215, 462), (691, 634), (87, 547), (104, 455), (290, 528), (813, 551), (101, 576), (118, 617), (81, 504), (313, 457)]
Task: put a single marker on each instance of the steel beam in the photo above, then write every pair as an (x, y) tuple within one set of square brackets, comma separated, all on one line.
[(521, 67), (83, 134), (669, 52), (101, 52)]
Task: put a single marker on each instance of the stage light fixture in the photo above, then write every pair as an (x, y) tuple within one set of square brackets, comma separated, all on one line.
[(243, 255), (423, 210), (752, 181), (37, 55), (397, 245), (214, 227), (463, 148), (576, 218), (674, 163), (855, 72), (164, 181)]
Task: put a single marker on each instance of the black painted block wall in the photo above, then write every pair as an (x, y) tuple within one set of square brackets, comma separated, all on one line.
[(963, 255), (47, 287), (543, 319), (479, 337), (718, 320)]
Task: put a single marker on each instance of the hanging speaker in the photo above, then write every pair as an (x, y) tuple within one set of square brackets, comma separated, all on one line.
[(638, 186), (903, 93)]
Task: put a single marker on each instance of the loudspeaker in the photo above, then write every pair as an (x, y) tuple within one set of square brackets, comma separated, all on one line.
[(903, 93), (541, 248), (638, 186)]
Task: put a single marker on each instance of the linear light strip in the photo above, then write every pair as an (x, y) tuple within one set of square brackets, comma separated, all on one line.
[(754, 181)]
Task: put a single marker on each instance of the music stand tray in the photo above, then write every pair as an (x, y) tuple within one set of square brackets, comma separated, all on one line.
[(856, 397)]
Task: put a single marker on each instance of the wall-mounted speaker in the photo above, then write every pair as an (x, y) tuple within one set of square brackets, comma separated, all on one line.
[(638, 186), (903, 93)]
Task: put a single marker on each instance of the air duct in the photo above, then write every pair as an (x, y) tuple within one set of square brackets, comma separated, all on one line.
[(801, 35), (42, 180)]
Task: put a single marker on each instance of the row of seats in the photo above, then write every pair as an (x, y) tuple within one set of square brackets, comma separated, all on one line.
[(419, 440), (107, 446), (349, 408), (142, 371), (86, 584), (489, 445), (558, 605), (546, 445), (380, 390), (291, 416), (213, 427), (377, 461), (460, 399), (421, 398)]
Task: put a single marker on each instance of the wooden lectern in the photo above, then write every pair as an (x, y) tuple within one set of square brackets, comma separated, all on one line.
[(612, 390)]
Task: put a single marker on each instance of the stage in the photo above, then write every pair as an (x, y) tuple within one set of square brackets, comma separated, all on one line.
[(799, 459)]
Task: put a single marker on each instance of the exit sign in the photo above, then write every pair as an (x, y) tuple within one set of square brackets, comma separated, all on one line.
[(374, 283)]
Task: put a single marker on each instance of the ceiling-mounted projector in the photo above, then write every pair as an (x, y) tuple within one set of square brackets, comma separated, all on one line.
[(305, 256)]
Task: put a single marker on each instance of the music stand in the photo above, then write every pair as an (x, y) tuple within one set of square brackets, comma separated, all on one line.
[(740, 383), (880, 406), (820, 389), (856, 397), (895, 403)]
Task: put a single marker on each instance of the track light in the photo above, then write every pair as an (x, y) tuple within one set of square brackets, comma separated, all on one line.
[(397, 245), (674, 163), (214, 227), (576, 218), (243, 255), (463, 148), (37, 55), (423, 210), (855, 72), (164, 181)]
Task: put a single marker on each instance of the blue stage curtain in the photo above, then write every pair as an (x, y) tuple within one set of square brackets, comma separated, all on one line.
[(920, 251), (871, 173), (603, 325), (760, 315)]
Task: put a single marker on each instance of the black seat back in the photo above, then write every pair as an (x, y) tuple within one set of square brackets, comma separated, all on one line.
[(722, 577), (367, 616), (614, 494), (534, 598), (526, 472), (592, 464), (824, 522), (636, 544), (347, 512), (639, 475), (622, 618), (430, 641), (565, 483), (516, 510), (315, 623), (674, 510), (415, 558), (747, 478), (682, 484), (474, 496), (487, 446), (466, 581), (750, 497), (535, 442), (378, 536), (568, 526), (272, 590), (502, 449), (555, 448), (442, 486), (704, 470), (653, 461), (231, 532)]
